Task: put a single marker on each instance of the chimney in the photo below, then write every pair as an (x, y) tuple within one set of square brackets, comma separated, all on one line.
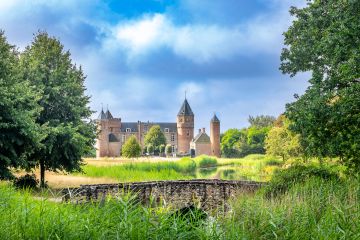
[(203, 130)]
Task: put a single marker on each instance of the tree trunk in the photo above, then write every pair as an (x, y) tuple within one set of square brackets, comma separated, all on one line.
[(42, 174)]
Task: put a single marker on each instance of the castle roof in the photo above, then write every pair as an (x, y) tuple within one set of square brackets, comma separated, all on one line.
[(185, 109), (102, 115), (215, 118), (108, 115), (202, 137), (134, 126)]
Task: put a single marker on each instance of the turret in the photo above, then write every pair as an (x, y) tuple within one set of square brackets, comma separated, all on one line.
[(185, 128), (215, 136), (108, 130)]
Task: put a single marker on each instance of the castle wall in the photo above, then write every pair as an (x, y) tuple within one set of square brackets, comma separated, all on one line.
[(202, 149)]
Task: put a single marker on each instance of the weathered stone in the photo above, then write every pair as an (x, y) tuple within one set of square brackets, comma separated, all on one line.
[(203, 193)]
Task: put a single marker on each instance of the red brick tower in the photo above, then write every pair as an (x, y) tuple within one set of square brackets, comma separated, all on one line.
[(215, 136), (185, 128)]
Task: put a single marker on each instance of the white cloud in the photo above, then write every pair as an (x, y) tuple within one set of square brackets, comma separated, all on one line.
[(200, 43)]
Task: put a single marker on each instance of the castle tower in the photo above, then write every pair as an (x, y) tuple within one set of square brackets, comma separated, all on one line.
[(107, 142), (185, 128), (215, 136), (101, 140)]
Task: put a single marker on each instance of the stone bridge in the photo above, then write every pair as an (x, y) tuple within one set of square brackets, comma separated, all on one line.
[(205, 194)]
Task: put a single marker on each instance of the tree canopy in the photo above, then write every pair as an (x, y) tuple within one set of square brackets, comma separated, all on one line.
[(131, 148), (64, 114), (155, 137), (261, 121), (18, 110), (324, 39)]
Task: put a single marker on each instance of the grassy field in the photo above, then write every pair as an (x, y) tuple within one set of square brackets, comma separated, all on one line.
[(254, 167), (315, 209)]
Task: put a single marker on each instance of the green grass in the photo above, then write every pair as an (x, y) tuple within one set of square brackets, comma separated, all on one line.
[(253, 167), (314, 209), (143, 171)]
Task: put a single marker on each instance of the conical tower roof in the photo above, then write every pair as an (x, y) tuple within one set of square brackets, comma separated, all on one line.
[(185, 109), (102, 115), (108, 115), (215, 118)]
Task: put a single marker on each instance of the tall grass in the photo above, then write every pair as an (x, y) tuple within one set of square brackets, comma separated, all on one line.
[(143, 171), (314, 209)]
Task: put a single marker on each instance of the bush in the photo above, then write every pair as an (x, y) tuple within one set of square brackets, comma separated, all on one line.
[(284, 179), (206, 161), (26, 181), (131, 148)]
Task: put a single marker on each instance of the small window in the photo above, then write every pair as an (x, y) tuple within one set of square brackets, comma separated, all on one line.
[(166, 130), (188, 133), (128, 129), (173, 137), (123, 138), (173, 148)]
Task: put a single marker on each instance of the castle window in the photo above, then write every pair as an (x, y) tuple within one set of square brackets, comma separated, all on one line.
[(173, 148), (166, 130), (173, 137), (123, 138), (128, 129), (188, 133)]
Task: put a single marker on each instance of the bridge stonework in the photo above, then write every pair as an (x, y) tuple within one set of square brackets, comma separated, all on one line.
[(205, 194)]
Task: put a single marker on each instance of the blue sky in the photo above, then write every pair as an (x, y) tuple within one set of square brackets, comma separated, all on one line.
[(140, 56)]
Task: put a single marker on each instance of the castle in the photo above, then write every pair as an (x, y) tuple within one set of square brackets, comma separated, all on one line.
[(113, 133)]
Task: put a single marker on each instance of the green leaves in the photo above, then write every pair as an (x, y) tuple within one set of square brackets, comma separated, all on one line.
[(325, 40), (155, 137), (18, 110), (131, 148)]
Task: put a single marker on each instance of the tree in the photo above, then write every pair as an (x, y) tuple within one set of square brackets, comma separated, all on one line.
[(150, 149), (161, 148), (18, 110), (324, 39), (131, 148), (228, 142), (168, 150), (68, 135), (261, 121), (155, 137), (281, 141)]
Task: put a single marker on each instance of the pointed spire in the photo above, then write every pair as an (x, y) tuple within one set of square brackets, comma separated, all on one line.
[(215, 118), (108, 114), (102, 114), (185, 109)]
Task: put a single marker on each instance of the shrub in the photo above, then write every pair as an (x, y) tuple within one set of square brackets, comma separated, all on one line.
[(284, 179), (26, 181), (206, 161), (168, 150)]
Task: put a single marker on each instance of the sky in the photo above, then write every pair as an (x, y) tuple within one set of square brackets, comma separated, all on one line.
[(140, 56)]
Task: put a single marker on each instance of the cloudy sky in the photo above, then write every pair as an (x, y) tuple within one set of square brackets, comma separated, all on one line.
[(140, 56)]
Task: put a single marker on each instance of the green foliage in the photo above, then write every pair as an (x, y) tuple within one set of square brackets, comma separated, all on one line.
[(131, 148), (282, 180), (155, 137), (150, 149), (18, 110), (67, 134), (281, 141), (240, 143), (162, 148), (261, 121), (168, 150), (26, 181), (324, 40), (204, 161)]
